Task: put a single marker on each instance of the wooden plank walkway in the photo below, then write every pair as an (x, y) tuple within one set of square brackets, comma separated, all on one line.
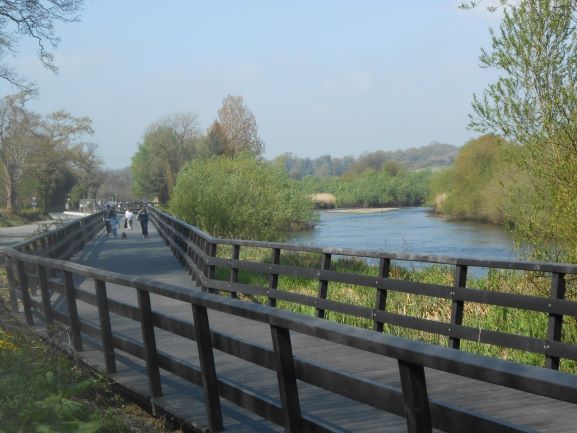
[(152, 259)]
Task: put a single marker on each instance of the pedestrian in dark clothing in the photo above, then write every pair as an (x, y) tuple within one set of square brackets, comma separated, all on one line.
[(109, 214), (142, 218)]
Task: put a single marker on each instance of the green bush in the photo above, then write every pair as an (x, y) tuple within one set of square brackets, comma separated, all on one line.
[(240, 198), (476, 186)]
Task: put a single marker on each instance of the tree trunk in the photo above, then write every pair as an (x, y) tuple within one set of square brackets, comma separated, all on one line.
[(10, 194)]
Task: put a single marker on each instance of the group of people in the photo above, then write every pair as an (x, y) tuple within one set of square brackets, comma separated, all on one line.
[(112, 223)]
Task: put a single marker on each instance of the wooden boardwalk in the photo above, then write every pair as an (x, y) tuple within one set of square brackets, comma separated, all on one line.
[(152, 259)]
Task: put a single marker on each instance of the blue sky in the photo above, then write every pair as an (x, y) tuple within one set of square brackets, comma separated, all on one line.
[(338, 77)]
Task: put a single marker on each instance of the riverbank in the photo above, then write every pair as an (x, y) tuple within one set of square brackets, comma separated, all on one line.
[(363, 210)]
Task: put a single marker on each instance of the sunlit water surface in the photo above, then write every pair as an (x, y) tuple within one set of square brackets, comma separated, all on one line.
[(409, 230)]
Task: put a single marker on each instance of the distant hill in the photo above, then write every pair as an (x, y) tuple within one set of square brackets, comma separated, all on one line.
[(434, 155)]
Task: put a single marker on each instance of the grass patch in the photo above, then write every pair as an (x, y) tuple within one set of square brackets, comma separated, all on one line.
[(44, 391), (10, 220), (23, 217)]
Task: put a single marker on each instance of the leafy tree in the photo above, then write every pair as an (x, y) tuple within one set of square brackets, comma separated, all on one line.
[(235, 132), (19, 130), (534, 104), (168, 145), (62, 159), (42, 157), (241, 198), (475, 186), (36, 20), (216, 139)]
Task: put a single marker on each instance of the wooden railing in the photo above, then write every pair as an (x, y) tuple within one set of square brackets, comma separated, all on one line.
[(198, 251), (61, 242)]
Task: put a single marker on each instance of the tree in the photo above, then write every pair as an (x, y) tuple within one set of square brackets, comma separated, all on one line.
[(62, 160), (168, 145), (33, 19), (474, 188), (534, 104), (216, 139), (19, 130), (41, 156), (236, 130)]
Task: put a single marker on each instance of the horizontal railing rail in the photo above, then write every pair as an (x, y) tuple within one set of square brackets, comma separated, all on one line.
[(410, 400), (200, 253)]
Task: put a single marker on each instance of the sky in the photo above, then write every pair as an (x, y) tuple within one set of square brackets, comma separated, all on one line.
[(338, 77)]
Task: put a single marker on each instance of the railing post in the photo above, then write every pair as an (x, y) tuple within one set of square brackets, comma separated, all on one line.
[(381, 296), (207, 368), (415, 398), (45, 293), (323, 284), (195, 258), (208, 270), (72, 311), (188, 251), (286, 376), (458, 306), (150, 351), (273, 278), (234, 270), (181, 246), (105, 327), (11, 284), (555, 322), (203, 245), (26, 302)]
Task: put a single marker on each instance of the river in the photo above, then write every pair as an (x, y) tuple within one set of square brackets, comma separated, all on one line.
[(409, 230)]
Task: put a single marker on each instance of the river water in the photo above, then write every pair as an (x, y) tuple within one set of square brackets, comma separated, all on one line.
[(409, 230)]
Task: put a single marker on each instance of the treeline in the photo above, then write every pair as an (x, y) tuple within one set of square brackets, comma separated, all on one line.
[(432, 155)]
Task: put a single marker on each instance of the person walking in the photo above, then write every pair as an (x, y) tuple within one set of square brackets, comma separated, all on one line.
[(142, 218), (110, 220), (114, 223), (106, 219), (128, 217)]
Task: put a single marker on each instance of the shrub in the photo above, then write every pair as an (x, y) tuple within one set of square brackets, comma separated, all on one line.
[(240, 198)]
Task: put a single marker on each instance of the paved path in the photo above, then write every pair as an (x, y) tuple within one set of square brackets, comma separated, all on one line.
[(12, 235), (152, 259)]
